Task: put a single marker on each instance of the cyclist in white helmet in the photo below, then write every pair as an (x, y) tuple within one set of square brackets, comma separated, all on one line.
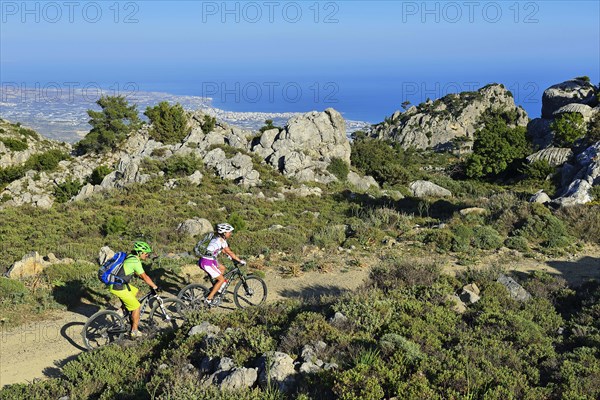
[(208, 262)]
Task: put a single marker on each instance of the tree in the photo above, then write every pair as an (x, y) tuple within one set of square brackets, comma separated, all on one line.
[(110, 126), (496, 147), (268, 126), (169, 123), (568, 128)]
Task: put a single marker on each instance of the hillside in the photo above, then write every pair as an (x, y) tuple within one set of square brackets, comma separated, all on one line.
[(304, 199)]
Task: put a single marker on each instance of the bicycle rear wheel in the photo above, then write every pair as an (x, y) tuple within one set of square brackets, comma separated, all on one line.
[(193, 296), (102, 328), (169, 314), (251, 291)]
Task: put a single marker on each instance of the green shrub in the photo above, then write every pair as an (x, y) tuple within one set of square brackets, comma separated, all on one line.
[(181, 165), (12, 291), (47, 161), (237, 221), (11, 173), (70, 272), (462, 237), (538, 170), (542, 227), (486, 238), (110, 126), (115, 225), (169, 123), (241, 345), (395, 273), (26, 132), (208, 124), (568, 128), (339, 168), (98, 174), (443, 238), (268, 126), (517, 243), (497, 146), (329, 236), (67, 190), (14, 144)]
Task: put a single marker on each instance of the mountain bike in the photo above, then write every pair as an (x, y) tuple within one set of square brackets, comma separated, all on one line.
[(250, 290), (107, 326)]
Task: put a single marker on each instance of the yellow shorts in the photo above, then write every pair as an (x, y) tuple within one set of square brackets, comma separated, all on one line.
[(127, 297)]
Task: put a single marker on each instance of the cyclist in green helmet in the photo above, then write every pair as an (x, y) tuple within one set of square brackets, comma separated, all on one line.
[(126, 292)]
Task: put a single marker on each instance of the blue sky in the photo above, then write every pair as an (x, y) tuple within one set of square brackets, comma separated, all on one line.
[(364, 58)]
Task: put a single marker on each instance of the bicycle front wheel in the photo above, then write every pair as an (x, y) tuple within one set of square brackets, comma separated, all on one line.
[(193, 296), (102, 328), (169, 314), (251, 291)]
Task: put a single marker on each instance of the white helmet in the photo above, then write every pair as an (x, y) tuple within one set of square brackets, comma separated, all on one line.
[(223, 228)]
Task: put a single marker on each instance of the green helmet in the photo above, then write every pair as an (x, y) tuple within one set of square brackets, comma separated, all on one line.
[(142, 247)]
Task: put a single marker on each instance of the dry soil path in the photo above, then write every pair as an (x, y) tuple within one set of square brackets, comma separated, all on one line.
[(39, 349)]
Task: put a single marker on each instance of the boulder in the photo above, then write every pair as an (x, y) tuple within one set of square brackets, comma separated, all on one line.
[(361, 183), (473, 210), (205, 328), (553, 155), (586, 111), (239, 378), (105, 254), (428, 189), (30, 265), (540, 197), (572, 91), (517, 292), (277, 369), (194, 227)]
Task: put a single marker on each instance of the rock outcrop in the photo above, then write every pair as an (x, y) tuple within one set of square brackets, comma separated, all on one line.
[(303, 149), (574, 91), (306, 145), (434, 124), (572, 96)]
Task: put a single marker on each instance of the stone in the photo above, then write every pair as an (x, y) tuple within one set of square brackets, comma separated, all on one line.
[(473, 210), (194, 227), (517, 292), (422, 188), (568, 92), (239, 378), (553, 155), (277, 369), (105, 254), (540, 197), (205, 328), (30, 265), (361, 183)]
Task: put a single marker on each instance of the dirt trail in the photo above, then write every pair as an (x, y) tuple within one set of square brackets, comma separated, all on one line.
[(39, 349)]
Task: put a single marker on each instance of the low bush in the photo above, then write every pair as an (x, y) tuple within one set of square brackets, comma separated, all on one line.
[(67, 190), (169, 123), (518, 243), (339, 168), (12, 291), (98, 174), (14, 144)]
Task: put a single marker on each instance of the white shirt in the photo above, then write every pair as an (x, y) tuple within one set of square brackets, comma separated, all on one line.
[(216, 246)]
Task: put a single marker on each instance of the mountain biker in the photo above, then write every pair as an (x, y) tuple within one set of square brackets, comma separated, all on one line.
[(126, 292), (208, 262)]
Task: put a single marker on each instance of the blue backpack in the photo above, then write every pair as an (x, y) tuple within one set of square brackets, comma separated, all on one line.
[(109, 270)]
